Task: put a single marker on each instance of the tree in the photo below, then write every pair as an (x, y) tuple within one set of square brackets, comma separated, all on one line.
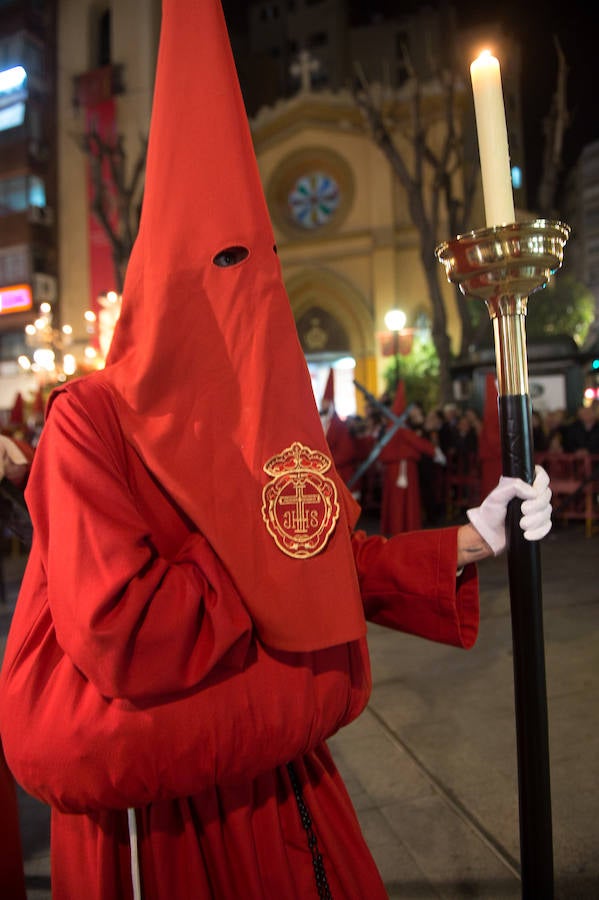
[(419, 372), (439, 180), (116, 198), (428, 155), (554, 129), (564, 307)]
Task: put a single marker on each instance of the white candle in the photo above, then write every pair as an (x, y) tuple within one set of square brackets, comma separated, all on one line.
[(492, 140)]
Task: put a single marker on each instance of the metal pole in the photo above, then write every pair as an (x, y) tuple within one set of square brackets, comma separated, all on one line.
[(503, 265), (524, 576)]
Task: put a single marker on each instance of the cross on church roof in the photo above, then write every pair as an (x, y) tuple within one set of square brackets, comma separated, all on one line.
[(303, 69)]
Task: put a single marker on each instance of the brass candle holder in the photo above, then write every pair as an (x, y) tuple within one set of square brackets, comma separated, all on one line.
[(503, 265)]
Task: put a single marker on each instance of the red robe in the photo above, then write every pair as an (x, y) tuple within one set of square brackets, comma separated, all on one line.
[(401, 505), (115, 569), (342, 446)]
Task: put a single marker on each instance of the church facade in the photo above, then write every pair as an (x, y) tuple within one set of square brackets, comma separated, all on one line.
[(348, 248)]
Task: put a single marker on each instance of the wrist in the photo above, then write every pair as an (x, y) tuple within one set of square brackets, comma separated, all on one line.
[(471, 546)]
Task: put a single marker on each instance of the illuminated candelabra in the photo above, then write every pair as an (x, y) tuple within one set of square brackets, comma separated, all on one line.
[(52, 357)]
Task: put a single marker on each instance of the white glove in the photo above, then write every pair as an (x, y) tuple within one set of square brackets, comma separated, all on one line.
[(489, 517), (439, 457)]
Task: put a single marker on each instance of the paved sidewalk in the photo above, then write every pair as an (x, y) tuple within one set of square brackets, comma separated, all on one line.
[(431, 764)]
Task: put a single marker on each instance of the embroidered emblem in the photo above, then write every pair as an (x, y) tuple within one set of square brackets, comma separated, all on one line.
[(299, 506)]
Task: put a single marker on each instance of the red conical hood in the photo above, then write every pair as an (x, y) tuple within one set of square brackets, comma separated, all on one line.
[(210, 380), (17, 411), (329, 390)]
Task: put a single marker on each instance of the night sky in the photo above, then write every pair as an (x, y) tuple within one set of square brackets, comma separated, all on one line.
[(534, 25)]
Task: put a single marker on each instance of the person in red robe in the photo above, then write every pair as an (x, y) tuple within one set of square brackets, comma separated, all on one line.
[(401, 506), (191, 626), (341, 441)]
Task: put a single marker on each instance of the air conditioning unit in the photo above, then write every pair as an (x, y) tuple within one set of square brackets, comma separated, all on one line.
[(41, 215)]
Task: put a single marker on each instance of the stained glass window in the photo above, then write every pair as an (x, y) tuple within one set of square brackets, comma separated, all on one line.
[(313, 199)]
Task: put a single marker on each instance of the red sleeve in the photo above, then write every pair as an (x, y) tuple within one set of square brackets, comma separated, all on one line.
[(409, 583), (137, 625), (406, 444)]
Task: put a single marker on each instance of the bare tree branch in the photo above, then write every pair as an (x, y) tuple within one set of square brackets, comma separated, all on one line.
[(554, 127), (437, 179), (116, 199)]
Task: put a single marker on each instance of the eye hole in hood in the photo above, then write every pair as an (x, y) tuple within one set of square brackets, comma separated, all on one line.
[(230, 256)]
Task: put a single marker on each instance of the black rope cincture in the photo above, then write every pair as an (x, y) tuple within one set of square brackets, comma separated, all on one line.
[(320, 875)]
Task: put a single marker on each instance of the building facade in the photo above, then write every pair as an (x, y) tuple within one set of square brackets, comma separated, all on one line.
[(347, 245), (28, 177)]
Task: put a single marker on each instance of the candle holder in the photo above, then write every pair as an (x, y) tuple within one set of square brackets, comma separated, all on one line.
[(503, 265)]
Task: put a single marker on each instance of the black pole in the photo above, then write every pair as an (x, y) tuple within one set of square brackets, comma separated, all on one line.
[(532, 733), (503, 265)]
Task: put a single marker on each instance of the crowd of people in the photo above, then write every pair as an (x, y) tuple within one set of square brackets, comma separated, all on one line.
[(411, 483)]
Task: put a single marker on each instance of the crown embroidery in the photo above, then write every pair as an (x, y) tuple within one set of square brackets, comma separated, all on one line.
[(299, 506)]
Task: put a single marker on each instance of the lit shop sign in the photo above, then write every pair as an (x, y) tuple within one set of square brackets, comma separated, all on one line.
[(15, 299), (13, 93), (12, 116)]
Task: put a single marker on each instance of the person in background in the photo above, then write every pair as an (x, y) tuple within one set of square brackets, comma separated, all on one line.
[(191, 627), (556, 424), (449, 428), (337, 432), (474, 419), (15, 464), (401, 507), (431, 474), (465, 444), (369, 488), (16, 457), (540, 439), (582, 435)]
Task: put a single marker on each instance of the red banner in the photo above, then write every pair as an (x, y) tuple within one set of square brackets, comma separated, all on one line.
[(391, 343)]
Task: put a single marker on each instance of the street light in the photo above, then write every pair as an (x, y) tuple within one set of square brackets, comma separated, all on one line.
[(395, 321)]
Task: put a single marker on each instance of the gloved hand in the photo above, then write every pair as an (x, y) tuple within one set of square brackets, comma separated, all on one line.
[(439, 457), (489, 517)]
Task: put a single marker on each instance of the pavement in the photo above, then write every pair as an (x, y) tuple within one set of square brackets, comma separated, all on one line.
[(431, 764)]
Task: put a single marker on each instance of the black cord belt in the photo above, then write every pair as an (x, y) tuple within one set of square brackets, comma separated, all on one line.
[(320, 875)]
